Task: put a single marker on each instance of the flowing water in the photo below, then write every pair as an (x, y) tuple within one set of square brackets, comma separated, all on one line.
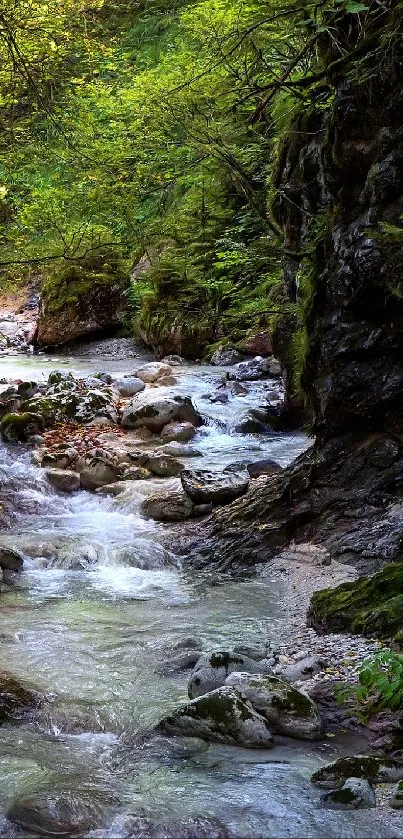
[(101, 602)]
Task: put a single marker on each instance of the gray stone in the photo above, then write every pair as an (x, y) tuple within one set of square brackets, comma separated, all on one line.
[(376, 770), (397, 797), (168, 506), (355, 794), (204, 487), (221, 716), (10, 560), (64, 480), (129, 385), (212, 670), (55, 814), (99, 472), (153, 371), (165, 466), (286, 710), (222, 357), (150, 411), (304, 669), (179, 432), (178, 450)]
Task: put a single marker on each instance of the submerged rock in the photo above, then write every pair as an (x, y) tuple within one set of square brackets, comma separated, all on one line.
[(16, 701), (212, 670), (355, 794), (376, 770), (287, 710), (168, 506), (221, 716), (204, 487), (56, 814)]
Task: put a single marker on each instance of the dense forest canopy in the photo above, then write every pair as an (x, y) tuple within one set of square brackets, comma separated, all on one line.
[(150, 130)]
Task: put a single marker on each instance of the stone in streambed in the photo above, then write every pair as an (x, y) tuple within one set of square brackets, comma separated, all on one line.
[(128, 385), (212, 670), (153, 371), (304, 669), (221, 716), (10, 560), (168, 506), (178, 450), (17, 428), (56, 814), (287, 710), (136, 473), (178, 432), (64, 480), (376, 770), (99, 472), (355, 794), (397, 797), (152, 412), (204, 487), (184, 660), (165, 466), (16, 701)]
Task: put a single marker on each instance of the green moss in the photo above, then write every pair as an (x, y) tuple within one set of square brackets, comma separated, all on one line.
[(224, 660), (376, 770), (372, 606), (18, 427), (73, 282)]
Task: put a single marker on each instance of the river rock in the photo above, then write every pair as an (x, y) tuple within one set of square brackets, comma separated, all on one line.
[(179, 450), (165, 466), (10, 560), (204, 487), (287, 710), (55, 460), (55, 814), (257, 368), (258, 343), (184, 660), (355, 794), (153, 412), (249, 424), (304, 669), (256, 468), (17, 428), (136, 473), (168, 506), (98, 472), (221, 716), (57, 377), (173, 360), (376, 770), (179, 432), (212, 670), (397, 797), (153, 371), (129, 385), (64, 479), (223, 357), (16, 701)]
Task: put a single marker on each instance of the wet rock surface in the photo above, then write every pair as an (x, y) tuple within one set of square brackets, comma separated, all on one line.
[(212, 670), (204, 487)]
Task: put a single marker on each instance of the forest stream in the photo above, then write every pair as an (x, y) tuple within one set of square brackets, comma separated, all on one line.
[(95, 640)]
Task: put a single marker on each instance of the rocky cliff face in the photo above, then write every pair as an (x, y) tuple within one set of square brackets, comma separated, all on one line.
[(340, 199)]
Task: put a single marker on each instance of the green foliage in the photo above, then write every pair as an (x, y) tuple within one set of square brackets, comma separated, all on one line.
[(380, 685)]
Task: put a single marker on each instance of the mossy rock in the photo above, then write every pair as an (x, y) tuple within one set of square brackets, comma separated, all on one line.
[(376, 770), (397, 798), (16, 701), (16, 428), (371, 606)]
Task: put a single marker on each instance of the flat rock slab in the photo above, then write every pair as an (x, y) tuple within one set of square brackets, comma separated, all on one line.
[(204, 487)]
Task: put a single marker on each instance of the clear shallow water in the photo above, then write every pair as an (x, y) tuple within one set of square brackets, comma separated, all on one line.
[(90, 621)]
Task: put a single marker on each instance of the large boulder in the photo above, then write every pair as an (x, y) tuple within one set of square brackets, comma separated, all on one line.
[(204, 487), (287, 710), (212, 670), (376, 770), (153, 412), (223, 356), (168, 506), (221, 716), (82, 299), (257, 368)]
